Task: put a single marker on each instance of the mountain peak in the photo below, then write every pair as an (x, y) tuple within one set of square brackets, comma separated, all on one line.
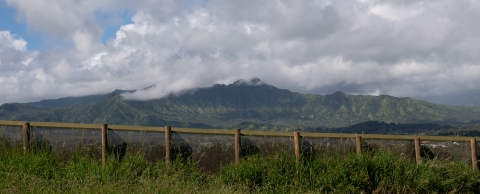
[(252, 82), (250, 101)]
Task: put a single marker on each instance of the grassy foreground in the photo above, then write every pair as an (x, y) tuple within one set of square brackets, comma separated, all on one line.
[(384, 172)]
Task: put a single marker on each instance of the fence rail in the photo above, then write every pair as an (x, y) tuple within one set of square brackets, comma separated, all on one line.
[(232, 132), (237, 133)]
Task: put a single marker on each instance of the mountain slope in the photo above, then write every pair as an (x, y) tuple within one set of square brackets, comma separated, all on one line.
[(71, 101), (251, 102)]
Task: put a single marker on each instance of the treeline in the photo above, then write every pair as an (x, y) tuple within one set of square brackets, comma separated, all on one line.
[(376, 127), (370, 127), (467, 131)]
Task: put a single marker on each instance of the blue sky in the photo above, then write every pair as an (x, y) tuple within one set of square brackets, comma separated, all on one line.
[(420, 49), (8, 22), (111, 28), (37, 41)]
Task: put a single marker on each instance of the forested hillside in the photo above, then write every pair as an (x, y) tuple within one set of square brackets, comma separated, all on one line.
[(245, 104)]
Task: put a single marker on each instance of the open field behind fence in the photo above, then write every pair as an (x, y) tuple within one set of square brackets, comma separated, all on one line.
[(211, 148)]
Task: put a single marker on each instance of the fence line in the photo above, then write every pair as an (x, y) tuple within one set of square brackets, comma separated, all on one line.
[(232, 132), (237, 133)]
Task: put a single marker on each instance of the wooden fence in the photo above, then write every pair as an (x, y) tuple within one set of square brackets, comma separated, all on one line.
[(237, 133)]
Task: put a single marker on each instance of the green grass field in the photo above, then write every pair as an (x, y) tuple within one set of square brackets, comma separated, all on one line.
[(41, 171)]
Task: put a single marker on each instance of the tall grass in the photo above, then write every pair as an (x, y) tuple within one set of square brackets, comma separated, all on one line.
[(383, 172), (44, 171)]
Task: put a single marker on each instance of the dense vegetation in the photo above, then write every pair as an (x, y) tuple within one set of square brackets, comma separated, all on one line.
[(242, 105), (466, 130), (375, 127), (42, 171), (71, 101)]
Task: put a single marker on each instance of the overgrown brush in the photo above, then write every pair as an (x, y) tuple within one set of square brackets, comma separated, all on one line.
[(383, 172), (44, 171)]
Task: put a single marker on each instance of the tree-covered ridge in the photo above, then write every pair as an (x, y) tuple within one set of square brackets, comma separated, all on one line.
[(375, 127), (242, 104)]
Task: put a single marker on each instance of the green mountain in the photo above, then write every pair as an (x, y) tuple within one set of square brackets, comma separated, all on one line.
[(247, 104), (71, 101)]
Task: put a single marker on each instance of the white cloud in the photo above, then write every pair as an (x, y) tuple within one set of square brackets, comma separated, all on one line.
[(15, 68), (67, 20), (10, 42), (396, 13), (401, 48)]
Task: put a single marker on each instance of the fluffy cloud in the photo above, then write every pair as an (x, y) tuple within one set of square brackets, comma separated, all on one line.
[(15, 67), (401, 48), (68, 20)]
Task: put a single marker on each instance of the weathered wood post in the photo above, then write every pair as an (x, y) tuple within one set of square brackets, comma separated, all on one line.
[(473, 146), (297, 146), (358, 142), (26, 137), (238, 146), (104, 143), (168, 143), (418, 156)]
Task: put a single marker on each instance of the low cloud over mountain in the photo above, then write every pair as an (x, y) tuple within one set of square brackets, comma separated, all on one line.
[(241, 104), (399, 48)]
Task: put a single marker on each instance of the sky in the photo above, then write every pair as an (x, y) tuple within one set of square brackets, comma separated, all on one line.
[(404, 48)]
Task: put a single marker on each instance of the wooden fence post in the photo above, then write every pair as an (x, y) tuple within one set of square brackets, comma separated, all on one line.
[(473, 146), (168, 143), (358, 142), (296, 143), (238, 146), (26, 137), (104, 143), (418, 156)]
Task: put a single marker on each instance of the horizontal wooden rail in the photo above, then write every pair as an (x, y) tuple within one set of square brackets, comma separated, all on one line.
[(53, 125), (136, 128), (204, 131), (232, 132)]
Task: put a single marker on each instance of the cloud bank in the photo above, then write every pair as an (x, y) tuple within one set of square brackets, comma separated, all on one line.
[(399, 48)]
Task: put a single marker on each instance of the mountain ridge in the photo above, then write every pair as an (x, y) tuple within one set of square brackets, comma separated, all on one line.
[(247, 103), (70, 101)]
